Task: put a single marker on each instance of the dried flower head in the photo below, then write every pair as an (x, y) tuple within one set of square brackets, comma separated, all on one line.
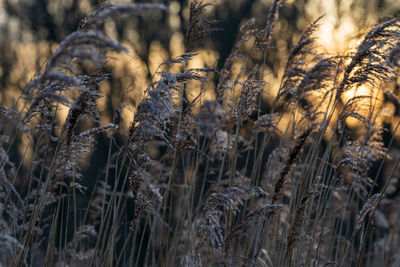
[(227, 199), (198, 27), (109, 11)]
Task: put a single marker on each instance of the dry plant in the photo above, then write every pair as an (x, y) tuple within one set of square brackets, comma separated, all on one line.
[(229, 186)]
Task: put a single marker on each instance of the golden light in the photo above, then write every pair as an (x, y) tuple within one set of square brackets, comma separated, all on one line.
[(176, 45), (370, 106), (25, 150), (388, 112), (205, 58), (157, 55), (132, 72), (105, 89), (173, 19), (285, 123)]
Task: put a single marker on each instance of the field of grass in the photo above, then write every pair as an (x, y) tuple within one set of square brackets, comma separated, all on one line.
[(307, 179)]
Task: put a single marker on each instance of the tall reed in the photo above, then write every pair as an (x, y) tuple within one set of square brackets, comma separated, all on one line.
[(233, 184)]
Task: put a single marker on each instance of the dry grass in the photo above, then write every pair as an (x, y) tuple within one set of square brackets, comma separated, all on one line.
[(228, 186)]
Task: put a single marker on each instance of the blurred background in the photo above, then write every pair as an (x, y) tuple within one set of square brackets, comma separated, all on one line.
[(32, 29)]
